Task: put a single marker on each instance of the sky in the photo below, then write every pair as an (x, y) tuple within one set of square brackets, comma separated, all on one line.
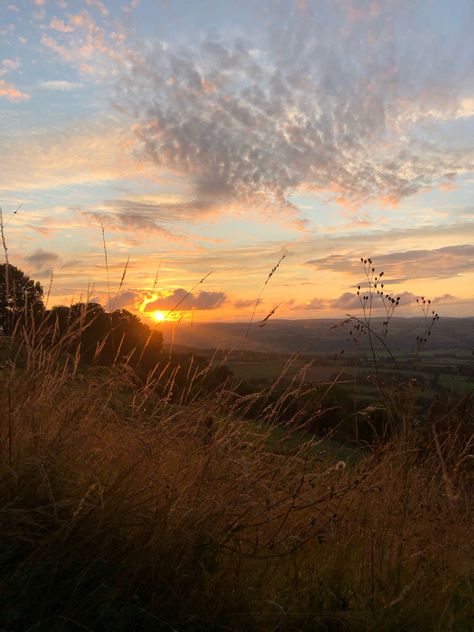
[(206, 142)]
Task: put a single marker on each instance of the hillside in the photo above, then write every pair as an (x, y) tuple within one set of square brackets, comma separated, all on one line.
[(450, 337)]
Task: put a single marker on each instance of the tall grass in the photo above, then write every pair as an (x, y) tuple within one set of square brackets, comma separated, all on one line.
[(122, 508)]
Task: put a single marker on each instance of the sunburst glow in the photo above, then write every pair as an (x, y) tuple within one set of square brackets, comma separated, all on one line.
[(159, 316)]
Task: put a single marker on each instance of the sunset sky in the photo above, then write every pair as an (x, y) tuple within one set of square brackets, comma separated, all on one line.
[(214, 136)]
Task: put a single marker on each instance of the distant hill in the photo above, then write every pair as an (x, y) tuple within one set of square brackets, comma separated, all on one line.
[(450, 336)]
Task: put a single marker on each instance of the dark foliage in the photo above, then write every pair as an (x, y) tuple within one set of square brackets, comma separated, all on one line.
[(104, 338), (21, 298)]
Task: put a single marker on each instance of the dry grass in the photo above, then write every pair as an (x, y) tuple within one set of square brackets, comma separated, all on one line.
[(122, 511)]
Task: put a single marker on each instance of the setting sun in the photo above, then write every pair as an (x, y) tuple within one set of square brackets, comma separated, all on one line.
[(159, 316)]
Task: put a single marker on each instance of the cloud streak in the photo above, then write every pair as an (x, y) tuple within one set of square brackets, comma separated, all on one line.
[(350, 301), (132, 222), (438, 263), (62, 85)]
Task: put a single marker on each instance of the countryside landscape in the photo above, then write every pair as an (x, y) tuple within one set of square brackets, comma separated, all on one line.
[(236, 315)]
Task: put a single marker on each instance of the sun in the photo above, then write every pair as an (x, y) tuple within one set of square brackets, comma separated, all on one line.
[(159, 316)]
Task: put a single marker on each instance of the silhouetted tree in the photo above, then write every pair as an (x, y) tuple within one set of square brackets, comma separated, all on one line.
[(20, 298), (133, 339), (104, 337)]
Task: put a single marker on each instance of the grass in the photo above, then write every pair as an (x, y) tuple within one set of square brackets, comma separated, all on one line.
[(121, 510), (457, 383)]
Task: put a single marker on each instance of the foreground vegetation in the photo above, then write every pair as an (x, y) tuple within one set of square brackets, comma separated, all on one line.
[(141, 489), (129, 504)]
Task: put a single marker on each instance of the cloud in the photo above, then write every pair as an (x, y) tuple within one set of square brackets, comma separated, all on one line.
[(40, 257), (39, 16), (9, 65), (246, 303), (150, 213), (164, 211), (126, 299), (10, 92), (350, 300), (72, 263), (325, 105), (91, 49), (132, 222), (100, 6), (439, 263), (202, 300), (42, 261), (61, 85), (445, 298), (129, 8), (315, 303), (60, 26), (88, 151)]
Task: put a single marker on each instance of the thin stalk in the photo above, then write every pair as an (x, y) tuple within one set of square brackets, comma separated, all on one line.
[(270, 274)]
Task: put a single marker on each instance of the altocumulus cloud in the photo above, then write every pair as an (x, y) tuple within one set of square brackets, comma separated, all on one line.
[(333, 102)]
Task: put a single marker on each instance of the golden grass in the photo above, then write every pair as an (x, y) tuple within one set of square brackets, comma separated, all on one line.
[(122, 511)]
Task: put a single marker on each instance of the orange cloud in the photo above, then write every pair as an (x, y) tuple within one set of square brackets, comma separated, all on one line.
[(8, 65), (11, 93), (448, 186), (59, 25), (89, 46)]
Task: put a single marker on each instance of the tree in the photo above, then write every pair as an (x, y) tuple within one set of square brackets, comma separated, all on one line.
[(104, 337), (20, 298)]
